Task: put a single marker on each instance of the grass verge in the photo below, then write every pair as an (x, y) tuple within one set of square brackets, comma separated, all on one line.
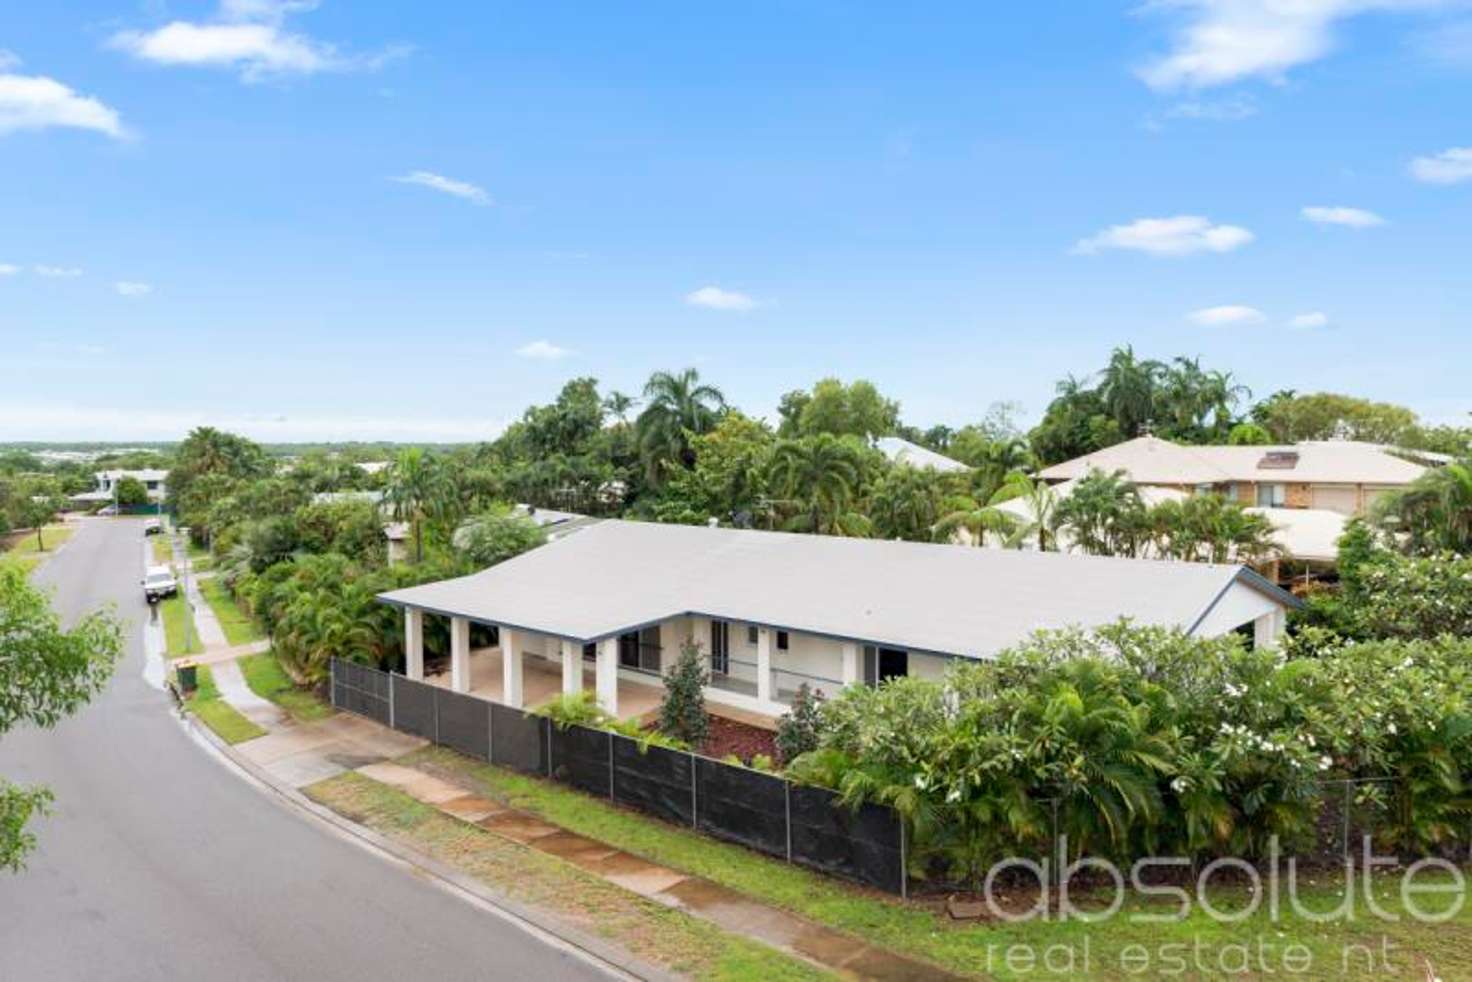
[(175, 616), (227, 722), (648, 930), (267, 679), (922, 929), (199, 557), (239, 627), (26, 553), (163, 553)]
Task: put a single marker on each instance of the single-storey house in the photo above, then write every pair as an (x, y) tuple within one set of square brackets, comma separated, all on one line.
[(773, 610)]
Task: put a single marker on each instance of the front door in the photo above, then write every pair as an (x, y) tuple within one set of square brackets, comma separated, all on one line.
[(720, 647)]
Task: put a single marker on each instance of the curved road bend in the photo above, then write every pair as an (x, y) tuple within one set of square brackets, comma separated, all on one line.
[(159, 863)]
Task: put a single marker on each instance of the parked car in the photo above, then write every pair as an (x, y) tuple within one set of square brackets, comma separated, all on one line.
[(152, 527), (107, 511), (158, 583)]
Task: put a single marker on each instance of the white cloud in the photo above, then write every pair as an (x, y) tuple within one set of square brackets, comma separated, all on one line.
[(460, 189), (1217, 42), (1339, 215), (1316, 318), (1226, 314), (58, 272), (717, 299), (132, 288), (1451, 166), (8, 269), (543, 350), (8, 60), (34, 102), (248, 35), (1181, 235)]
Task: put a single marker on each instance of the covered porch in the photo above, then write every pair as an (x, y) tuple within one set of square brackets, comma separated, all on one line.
[(753, 671)]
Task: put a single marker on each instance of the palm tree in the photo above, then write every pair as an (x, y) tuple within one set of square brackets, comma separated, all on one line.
[(1104, 515), (416, 490), (905, 503), (977, 519), (1128, 389), (618, 404), (821, 475), (676, 406), (1042, 503)]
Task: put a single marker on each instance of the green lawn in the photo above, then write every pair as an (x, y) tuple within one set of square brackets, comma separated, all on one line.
[(239, 627), (174, 614), (680, 944), (266, 678), (163, 552), (199, 556), (922, 929), (25, 553), (218, 714)]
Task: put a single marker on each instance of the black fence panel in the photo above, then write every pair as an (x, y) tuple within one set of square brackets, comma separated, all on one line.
[(414, 707), (518, 739), (464, 723), (360, 689), (656, 780), (580, 757), (743, 805), (863, 845)]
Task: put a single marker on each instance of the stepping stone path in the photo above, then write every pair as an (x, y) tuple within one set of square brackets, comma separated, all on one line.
[(729, 910)]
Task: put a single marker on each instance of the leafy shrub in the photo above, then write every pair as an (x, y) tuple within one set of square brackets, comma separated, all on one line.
[(578, 708), (682, 713), (1146, 740), (797, 730)]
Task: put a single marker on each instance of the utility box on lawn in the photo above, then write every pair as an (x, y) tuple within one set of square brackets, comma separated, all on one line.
[(188, 678)]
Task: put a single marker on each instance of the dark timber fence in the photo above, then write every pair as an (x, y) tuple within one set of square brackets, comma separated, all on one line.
[(765, 812)]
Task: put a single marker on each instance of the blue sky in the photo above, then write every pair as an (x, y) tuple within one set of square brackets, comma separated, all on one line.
[(373, 219)]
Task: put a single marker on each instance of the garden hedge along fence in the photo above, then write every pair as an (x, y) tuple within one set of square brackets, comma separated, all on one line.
[(765, 812)]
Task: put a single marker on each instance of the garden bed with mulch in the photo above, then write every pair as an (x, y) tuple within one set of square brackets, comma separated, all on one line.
[(727, 737)]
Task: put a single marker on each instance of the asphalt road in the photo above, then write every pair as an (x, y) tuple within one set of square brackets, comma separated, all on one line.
[(159, 862)]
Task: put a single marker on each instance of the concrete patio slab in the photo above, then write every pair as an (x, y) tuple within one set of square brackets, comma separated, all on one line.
[(416, 784), (470, 808)]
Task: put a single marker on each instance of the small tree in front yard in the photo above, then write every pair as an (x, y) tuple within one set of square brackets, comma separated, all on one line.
[(131, 492), (682, 714), (797, 730)]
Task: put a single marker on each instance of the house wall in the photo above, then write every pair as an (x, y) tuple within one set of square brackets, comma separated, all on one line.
[(1298, 495), (1342, 498), (1239, 605)]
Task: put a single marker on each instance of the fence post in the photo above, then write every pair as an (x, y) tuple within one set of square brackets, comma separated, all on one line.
[(332, 680), (904, 857), (490, 732), (434, 706), (549, 748), (392, 690), (694, 794), (787, 807), (611, 795)]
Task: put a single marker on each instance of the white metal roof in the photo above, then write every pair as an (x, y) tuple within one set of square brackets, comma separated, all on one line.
[(901, 451), (618, 575), (1151, 460), (1306, 533)]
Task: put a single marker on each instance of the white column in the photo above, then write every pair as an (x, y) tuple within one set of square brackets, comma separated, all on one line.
[(607, 675), (459, 654), (850, 663), (1268, 628), (414, 643), (764, 664), (572, 668), (511, 689)]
